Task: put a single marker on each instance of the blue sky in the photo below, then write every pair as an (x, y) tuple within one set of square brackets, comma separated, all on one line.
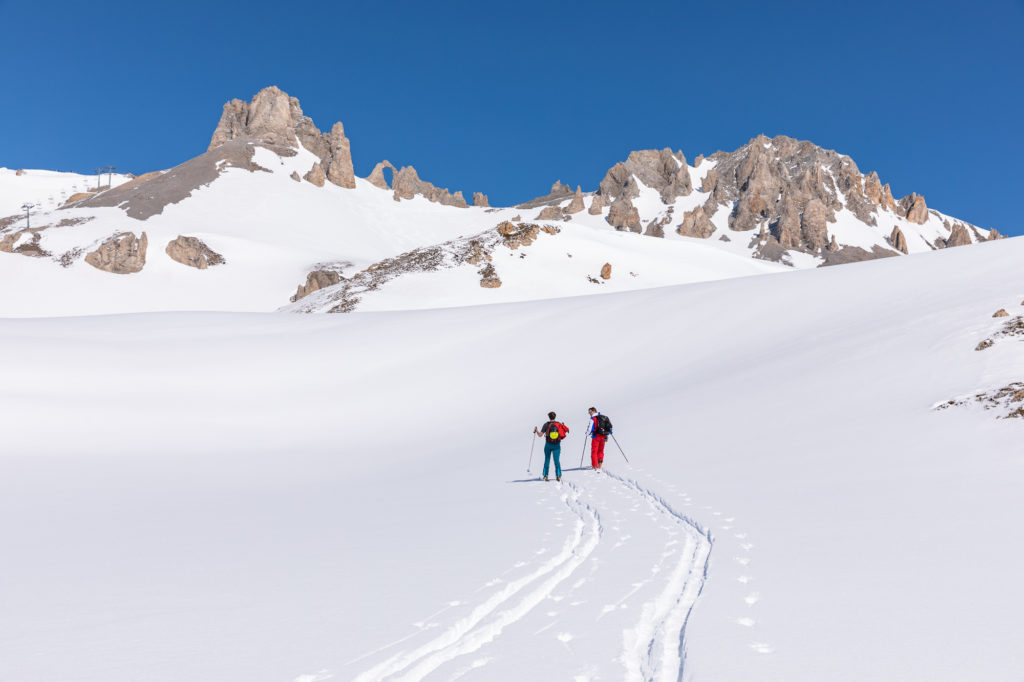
[(506, 98)]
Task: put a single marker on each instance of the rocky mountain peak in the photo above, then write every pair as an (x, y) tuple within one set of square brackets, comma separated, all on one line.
[(275, 118), (774, 180)]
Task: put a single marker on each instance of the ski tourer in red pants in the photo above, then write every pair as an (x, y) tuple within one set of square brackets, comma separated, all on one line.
[(597, 450), (600, 429)]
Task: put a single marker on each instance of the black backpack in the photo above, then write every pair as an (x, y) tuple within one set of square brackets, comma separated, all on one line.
[(603, 426)]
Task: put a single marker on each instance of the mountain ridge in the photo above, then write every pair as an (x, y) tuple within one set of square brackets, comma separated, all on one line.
[(778, 200)]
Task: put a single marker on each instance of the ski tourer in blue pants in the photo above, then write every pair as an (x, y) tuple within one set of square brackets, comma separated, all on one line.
[(552, 432), (556, 450)]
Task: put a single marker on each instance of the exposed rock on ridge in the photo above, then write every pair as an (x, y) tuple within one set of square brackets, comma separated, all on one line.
[(913, 208), (376, 177), (662, 170), (559, 193), (315, 281), (345, 294), (277, 119), (407, 184), (576, 205)]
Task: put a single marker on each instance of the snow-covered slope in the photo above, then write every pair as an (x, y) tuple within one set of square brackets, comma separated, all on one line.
[(47, 190), (286, 497)]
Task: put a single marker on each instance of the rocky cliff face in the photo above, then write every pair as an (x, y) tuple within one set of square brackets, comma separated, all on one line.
[(275, 118)]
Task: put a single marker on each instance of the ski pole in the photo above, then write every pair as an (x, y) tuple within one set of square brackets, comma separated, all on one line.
[(533, 441), (584, 450), (620, 449)]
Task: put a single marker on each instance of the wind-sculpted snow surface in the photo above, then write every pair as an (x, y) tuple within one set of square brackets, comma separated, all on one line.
[(193, 496)]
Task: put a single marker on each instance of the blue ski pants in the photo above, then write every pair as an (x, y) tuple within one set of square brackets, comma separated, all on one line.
[(549, 450)]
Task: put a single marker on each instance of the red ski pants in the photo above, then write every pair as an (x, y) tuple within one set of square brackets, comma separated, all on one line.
[(597, 450)]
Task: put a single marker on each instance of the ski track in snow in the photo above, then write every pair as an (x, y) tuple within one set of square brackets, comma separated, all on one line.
[(468, 634), (653, 650)]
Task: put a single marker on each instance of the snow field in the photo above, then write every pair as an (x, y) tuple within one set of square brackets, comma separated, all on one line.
[(240, 496)]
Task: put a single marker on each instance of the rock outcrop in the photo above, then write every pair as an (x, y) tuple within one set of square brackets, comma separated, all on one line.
[(772, 181), (606, 271), (880, 195), (513, 236), (913, 208), (25, 241), (576, 205), (596, 205), (623, 215), (193, 252), (316, 175), (888, 202), (550, 213), (958, 236), (376, 177), (559, 193), (407, 184), (489, 277), (121, 254), (1001, 313), (873, 188), (899, 242), (664, 170), (475, 250), (696, 223), (315, 281), (812, 225), (274, 118), (480, 199), (339, 168)]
